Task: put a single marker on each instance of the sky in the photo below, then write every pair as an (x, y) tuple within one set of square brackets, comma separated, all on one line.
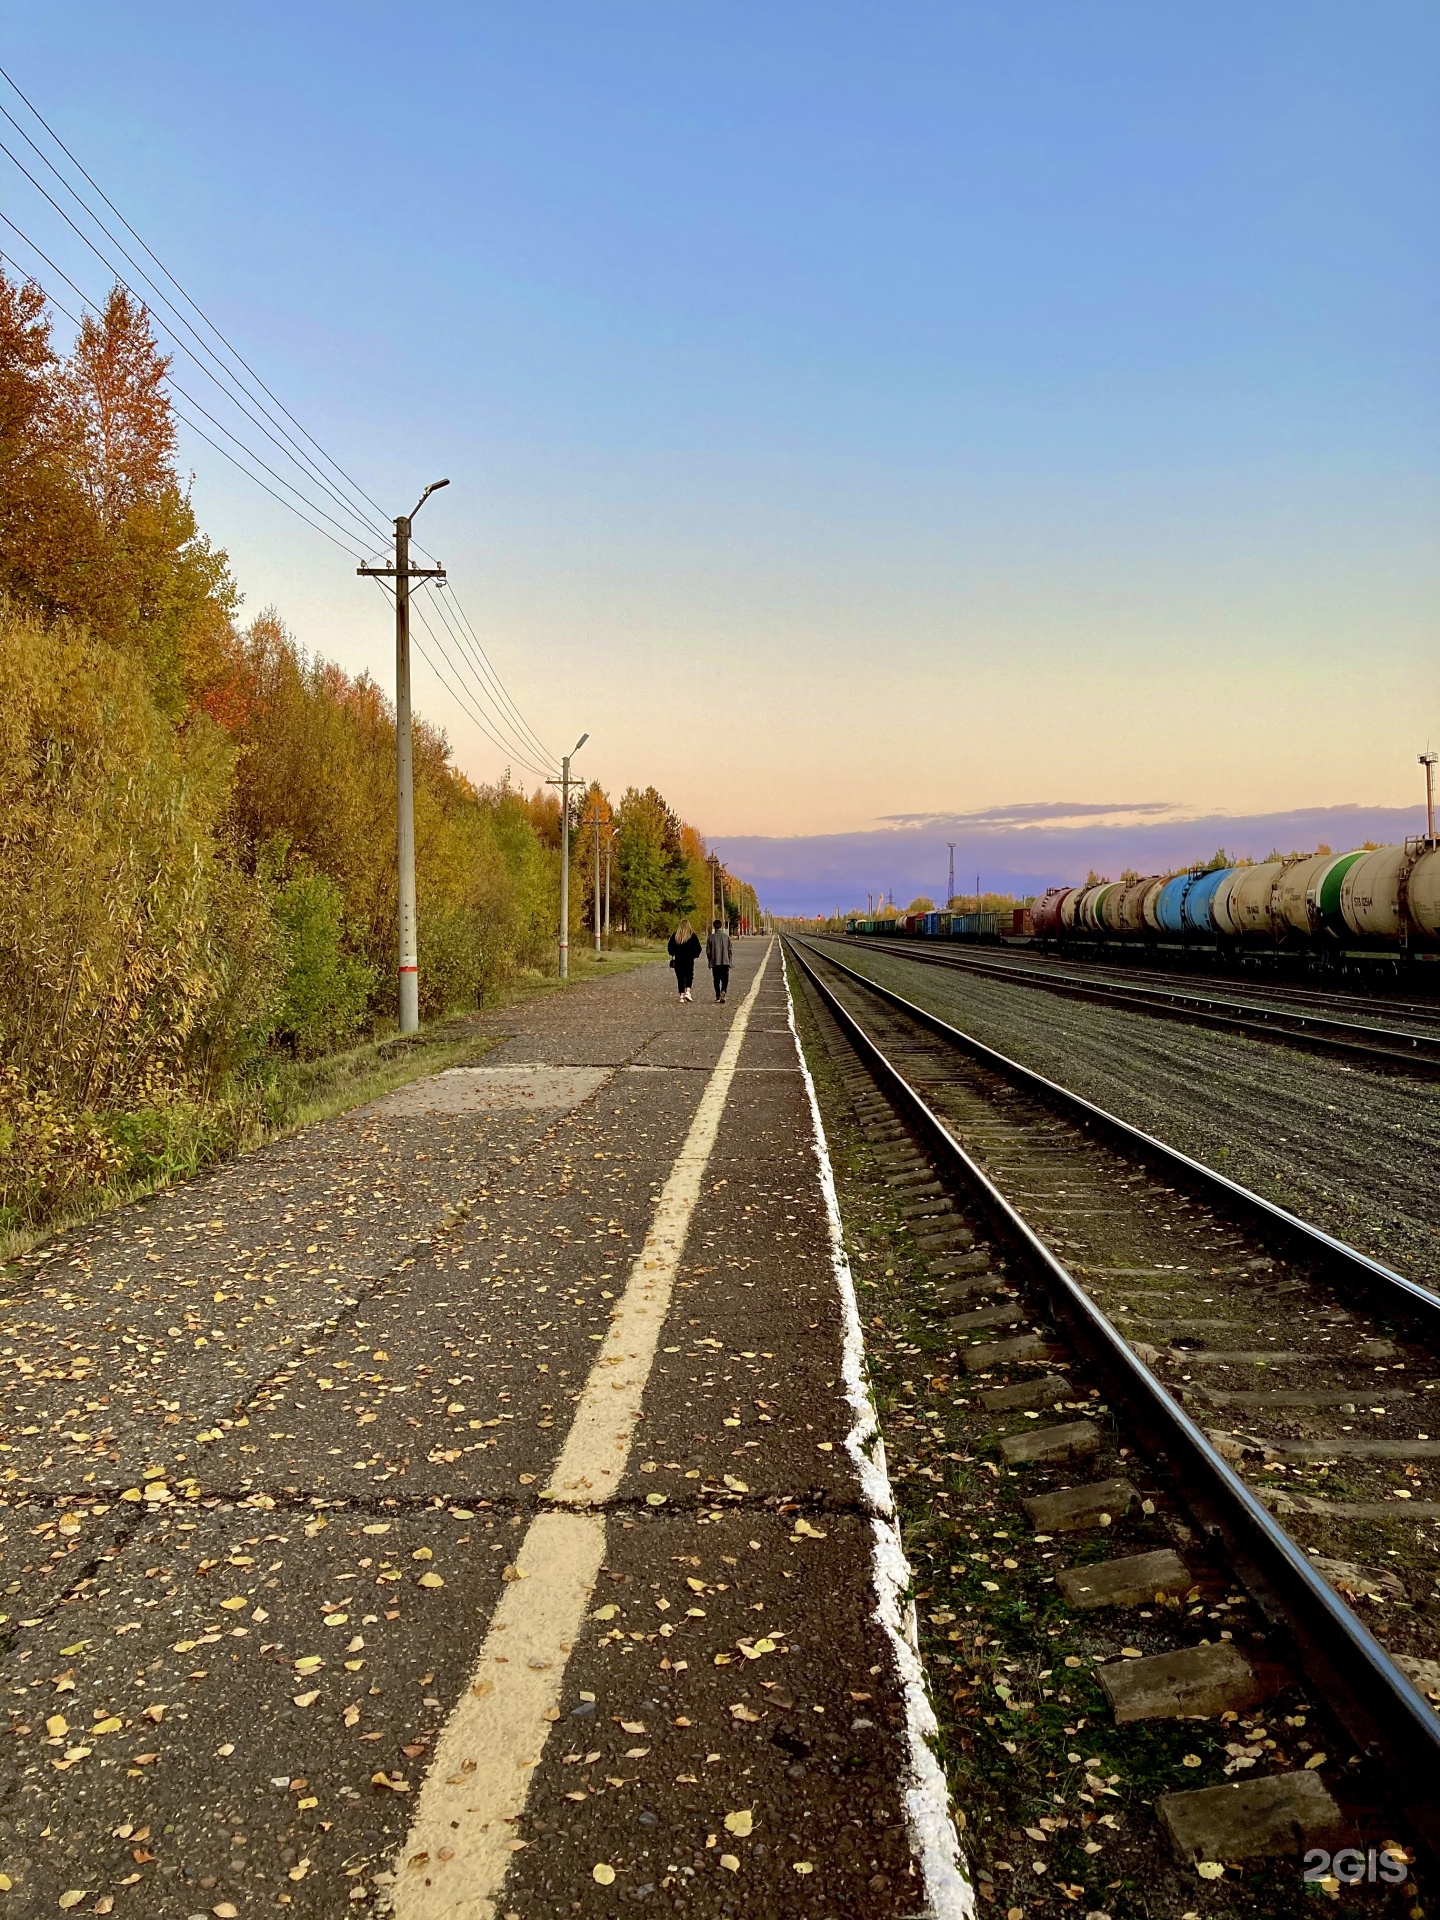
[(854, 414)]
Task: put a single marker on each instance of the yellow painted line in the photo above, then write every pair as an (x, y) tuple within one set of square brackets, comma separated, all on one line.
[(454, 1861)]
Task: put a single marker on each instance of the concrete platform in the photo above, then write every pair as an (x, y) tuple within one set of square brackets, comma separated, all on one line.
[(556, 1350)]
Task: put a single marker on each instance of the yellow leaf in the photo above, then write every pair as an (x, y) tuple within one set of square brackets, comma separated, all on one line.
[(234, 1603), (730, 1863), (603, 1872), (4, 1883), (422, 1553), (56, 1725), (604, 1613), (306, 1699), (1316, 1760), (299, 1872), (111, 1724), (430, 1580), (1210, 1869), (71, 1898), (804, 1866), (308, 1663), (741, 1824)]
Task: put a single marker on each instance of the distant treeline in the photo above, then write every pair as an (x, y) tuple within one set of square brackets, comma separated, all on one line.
[(197, 821)]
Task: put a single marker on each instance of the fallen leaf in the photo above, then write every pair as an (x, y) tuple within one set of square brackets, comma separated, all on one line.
[(603, 1872), (299, 1871), (56, 1725), (234, 1603), (227, 1910), (1316, 1760), (741, 1824), (71, 1898), (730, 1863), (741, 1712), (156, 1713), (430, 1580), (632, 1726), (604, 1613), (308, 1663), (352, 1716), (1210, 1869), (306, 1699), (804, 1866), (111, 1724)]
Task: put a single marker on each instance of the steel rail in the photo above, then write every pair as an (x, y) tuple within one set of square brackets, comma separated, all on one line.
[(1377, 1705), (1356, 1040)]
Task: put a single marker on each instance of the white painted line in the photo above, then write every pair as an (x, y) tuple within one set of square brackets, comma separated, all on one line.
[(598, 1444), (949, 1894), (453, 1863), (463, 1834)]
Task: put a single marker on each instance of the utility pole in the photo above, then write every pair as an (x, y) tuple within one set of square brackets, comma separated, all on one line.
[(609, 843), (564, 785), (1427, 761), (402, 573), (596, 876), (950, 882)]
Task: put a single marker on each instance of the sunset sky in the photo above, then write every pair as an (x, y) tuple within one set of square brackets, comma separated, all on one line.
[(854, 412)]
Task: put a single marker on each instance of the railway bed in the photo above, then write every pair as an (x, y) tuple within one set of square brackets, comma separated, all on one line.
[(1278, 1016), (1279, 1382)]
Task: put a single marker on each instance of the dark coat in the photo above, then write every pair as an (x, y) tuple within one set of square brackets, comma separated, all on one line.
[(717, 948), (682, 958)]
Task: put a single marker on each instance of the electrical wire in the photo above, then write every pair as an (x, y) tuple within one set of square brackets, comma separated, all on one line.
[(475, 668), (190, 301), (344, 546), (493, 691), (235, 399)]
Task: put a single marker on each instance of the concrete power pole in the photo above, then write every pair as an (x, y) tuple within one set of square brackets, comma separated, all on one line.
[(950, 882), (609, 843), (596, 879), (402, 573), (564, 785)]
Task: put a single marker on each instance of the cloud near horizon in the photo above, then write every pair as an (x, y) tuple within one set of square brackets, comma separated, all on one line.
[(1024, 849)]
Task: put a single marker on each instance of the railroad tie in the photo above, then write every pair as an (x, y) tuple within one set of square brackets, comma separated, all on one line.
[(1128, 1582), (1073, 1509), (1024, 1349), (1190, 1683), (1074, 1440), (1009, 1313), (1044, 1392), (1248, 1818), (977, 1287), (977, 1260)]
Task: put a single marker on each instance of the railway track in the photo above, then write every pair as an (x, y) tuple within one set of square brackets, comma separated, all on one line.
[(1361, 1042), (1282, 1385)]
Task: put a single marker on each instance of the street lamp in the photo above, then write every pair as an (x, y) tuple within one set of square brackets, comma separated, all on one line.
[(403, 573), (565, 856)]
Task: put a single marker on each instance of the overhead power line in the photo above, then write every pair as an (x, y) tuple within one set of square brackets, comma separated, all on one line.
[(501, 720)]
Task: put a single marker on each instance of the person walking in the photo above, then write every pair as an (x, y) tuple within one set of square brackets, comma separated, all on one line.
[(717, 952), (684, 950)]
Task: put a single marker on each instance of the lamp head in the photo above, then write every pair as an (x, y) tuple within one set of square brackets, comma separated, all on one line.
[(434, 487)]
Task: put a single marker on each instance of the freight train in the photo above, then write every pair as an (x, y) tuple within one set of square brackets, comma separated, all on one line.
[(1374, 901)]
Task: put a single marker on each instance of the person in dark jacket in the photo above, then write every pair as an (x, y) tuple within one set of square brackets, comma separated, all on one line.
[(717, 952), (684, 950)]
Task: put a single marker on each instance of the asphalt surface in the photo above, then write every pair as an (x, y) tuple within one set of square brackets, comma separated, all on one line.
[(271, 1440)]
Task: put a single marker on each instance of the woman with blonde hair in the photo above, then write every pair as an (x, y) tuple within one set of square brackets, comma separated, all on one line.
[(684, 951)]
